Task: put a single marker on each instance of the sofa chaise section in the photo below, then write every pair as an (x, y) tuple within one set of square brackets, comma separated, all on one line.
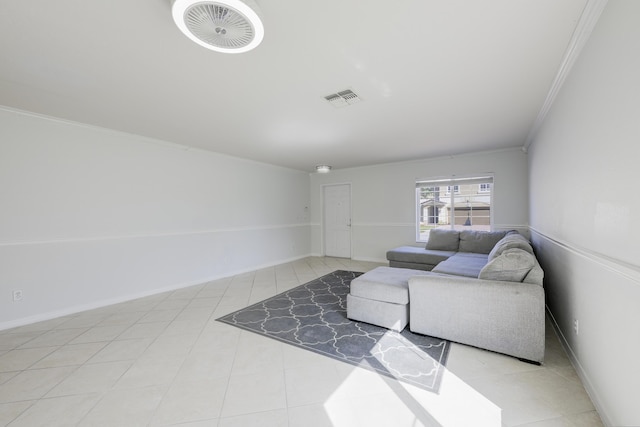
[(381, 297), (501, 316), (501, 309)]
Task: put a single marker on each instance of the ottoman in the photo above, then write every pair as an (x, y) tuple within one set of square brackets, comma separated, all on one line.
[(381, 297)]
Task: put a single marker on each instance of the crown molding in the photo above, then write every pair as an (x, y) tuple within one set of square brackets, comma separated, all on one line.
[(588, 19)]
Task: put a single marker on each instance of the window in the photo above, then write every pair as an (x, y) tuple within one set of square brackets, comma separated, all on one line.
[(456, 189), (484, 188), (460, 203)]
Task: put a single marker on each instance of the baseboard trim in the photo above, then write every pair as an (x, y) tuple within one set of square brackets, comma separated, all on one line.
[(104, 303), (365, 259), (586, 382), (383, 224)]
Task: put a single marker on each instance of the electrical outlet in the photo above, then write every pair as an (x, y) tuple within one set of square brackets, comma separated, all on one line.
[(576, 326), (17, 295)]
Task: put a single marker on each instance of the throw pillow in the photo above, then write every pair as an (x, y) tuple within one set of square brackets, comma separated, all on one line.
[(511, 266), (442, 239), (510, 241)]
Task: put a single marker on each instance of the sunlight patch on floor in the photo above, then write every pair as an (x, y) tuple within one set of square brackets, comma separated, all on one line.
[(379, 401)]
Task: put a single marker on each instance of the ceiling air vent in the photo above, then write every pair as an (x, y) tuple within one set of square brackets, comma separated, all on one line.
[(343, 98)]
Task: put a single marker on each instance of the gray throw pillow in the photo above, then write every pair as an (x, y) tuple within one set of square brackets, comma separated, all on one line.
[(442, 239), (510, 241), (511, 266)]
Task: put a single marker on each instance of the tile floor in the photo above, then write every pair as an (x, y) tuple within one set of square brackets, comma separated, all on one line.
[(164, 360)]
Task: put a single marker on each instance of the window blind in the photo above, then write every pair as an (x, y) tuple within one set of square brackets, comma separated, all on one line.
[(454, 181)]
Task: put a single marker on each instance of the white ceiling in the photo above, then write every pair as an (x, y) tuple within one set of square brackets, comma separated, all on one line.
[(436, 77)]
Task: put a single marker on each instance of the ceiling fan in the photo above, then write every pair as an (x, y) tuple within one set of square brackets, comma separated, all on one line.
[(229, 26)]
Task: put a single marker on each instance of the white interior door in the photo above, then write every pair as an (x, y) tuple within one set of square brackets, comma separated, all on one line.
[(337, 220)]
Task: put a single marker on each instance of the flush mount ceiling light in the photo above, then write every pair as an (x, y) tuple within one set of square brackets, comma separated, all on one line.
[(323, 168), (229, 26)]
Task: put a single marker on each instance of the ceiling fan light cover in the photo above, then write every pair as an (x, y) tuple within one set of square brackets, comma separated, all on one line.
[(323, 168), (228, 26)]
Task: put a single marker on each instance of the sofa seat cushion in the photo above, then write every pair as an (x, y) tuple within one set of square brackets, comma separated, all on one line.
[(479, 242), (411, 254), (411, 265), (512, 265), (462, 264), (385, 284)]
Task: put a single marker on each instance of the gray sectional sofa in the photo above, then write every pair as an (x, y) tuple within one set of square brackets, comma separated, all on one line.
[(483, 289), (442, 245)]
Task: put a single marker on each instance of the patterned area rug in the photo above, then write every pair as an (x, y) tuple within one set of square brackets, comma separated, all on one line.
[(313, 316)]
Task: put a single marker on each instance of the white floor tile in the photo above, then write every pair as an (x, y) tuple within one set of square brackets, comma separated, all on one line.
[(277, 418), (311, 385), (57, 412), (334, 413), (122, 350), (160, 315), (254, 393), (165, 360), (6, 376), (19, 359), (256, 354), (470, 362), (43, 326), (144, 330), (204, 423), (10, 341), (387, 409), (32, 384), (52, 338), (70, 355), (100, 334), (146, 374), (82, 320), (127, 318), (191, 401), (94, 378), (133, 407), (206, 365), (10, 411)]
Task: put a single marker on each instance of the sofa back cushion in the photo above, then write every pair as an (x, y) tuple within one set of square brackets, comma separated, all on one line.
[(480, 242), (512, 265), (510, 241), (443, 239), (535, 276)]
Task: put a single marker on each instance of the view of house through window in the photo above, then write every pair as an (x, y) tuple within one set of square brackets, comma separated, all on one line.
[(463, 203)]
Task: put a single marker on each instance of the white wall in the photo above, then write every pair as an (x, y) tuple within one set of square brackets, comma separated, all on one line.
[(585, 212), (91, 216), (383, 197)]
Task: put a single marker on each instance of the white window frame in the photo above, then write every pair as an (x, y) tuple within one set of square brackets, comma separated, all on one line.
[(450, 198)]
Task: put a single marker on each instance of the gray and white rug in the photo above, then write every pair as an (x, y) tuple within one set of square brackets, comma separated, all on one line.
[(313, 316)]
